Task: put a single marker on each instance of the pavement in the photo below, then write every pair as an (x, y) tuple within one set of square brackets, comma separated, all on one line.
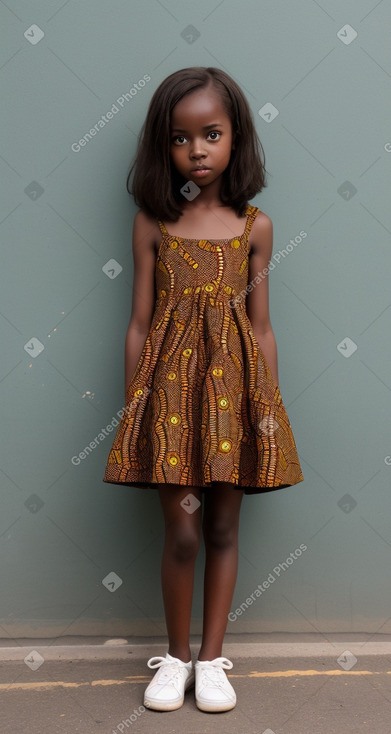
[(285, 684)]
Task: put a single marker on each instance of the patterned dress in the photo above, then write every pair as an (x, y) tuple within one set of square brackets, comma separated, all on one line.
[(202, 406)]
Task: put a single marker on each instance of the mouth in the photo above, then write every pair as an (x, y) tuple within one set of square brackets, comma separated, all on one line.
[(200, 172), (201, 168)]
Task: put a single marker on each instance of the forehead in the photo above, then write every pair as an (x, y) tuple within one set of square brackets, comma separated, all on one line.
[(198, 108)]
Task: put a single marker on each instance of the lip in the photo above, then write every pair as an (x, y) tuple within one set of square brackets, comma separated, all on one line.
[(199, 172)]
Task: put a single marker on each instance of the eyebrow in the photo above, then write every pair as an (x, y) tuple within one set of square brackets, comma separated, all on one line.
[(206, 127)]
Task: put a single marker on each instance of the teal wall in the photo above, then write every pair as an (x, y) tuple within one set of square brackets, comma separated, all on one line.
[(66, 215)]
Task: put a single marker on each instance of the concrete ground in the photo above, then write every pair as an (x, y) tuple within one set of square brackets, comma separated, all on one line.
[(285, 684)]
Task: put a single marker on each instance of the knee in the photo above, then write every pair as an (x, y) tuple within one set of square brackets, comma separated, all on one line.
[(220, 535), (184, 545)]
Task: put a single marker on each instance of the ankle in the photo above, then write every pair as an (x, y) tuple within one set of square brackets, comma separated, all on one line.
[(205, 656), (183, 655)]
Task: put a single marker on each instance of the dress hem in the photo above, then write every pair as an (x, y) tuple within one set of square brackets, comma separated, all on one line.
[(203, 488)]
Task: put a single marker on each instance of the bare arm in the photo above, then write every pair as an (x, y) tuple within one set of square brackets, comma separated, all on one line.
[(143, 297), (257, 302)]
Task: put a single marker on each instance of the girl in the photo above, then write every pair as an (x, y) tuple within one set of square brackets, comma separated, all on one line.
[(204, 421)]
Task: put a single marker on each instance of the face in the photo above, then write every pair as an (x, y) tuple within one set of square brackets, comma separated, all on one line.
[(201, 135)]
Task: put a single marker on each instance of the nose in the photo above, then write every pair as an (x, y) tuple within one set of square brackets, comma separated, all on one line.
[(196, 149)]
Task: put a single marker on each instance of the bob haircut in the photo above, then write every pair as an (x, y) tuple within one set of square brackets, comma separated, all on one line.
[(157, 183)]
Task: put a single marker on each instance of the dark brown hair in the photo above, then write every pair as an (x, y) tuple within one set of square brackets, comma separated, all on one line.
[(157, 183)]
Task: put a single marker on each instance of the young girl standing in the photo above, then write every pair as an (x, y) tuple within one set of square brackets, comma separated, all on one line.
[(204, 421)]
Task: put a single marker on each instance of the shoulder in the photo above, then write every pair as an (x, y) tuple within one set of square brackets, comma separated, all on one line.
[(261, 235), (146, 230)]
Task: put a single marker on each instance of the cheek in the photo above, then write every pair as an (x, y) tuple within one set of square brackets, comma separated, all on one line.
[(178, 157), (175, 153)]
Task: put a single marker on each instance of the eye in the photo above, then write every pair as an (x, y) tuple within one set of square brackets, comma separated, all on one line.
[(176, 138)]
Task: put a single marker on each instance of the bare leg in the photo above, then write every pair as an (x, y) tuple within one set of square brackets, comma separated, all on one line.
[(220, 528), (182, 540)]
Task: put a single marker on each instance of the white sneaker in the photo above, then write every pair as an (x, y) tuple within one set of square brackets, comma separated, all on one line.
[(166, 691), (213, 691)]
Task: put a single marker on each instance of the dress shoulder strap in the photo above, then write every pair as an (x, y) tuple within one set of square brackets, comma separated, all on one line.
[(162, 227), (251, 212)]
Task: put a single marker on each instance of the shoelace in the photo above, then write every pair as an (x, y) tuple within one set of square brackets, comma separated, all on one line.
[(170, 673), (213, 673)]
